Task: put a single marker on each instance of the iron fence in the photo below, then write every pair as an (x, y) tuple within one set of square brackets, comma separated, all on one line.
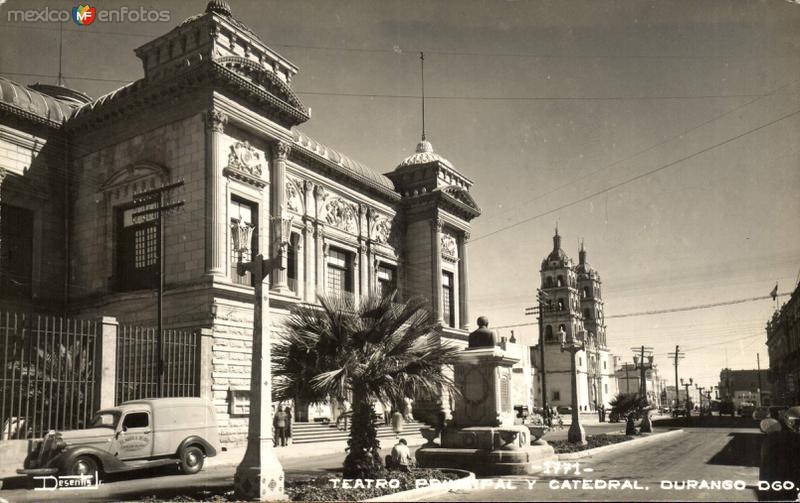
[(137, 363), (48, 374)]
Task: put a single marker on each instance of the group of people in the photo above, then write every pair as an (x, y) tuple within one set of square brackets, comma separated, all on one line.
[(282, 425), (601, 413)]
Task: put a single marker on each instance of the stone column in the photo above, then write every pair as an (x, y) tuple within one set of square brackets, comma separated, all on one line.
[(463, 275), (308, 261), (299, 262), (363, 261), (216, 205), (280, 153), (106, 363), (203, 366), (436, 268), (3, 174), (319, 236)]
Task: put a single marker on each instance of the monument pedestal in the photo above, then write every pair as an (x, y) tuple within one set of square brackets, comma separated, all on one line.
[(482, 437)]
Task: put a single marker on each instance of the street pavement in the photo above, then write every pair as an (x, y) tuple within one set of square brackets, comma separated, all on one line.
[(700, 454)]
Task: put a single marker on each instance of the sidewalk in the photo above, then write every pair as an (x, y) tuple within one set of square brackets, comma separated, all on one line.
[(234, 455)]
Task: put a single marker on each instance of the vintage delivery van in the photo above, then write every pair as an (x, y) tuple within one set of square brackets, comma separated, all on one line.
[(133, 435)]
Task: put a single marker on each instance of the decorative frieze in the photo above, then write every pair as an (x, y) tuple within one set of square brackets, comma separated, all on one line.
[(449, 246), (243, 157), (294, 199), (381, 230), (341, 215)]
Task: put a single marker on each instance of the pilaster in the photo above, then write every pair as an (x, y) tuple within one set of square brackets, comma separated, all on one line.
[(436, 268), (280, 153), (216, 205), (463, 274)]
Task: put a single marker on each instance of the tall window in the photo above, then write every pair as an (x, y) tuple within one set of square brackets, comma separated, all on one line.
[(548, 333), (247, 212), (448, 308), (387, 280), (339, 273), (137, 249), (16, 251)]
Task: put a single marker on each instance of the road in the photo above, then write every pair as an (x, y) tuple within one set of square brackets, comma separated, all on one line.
[(700, 454), (710, 454)]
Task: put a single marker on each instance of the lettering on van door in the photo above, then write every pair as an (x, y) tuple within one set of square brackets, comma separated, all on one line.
[(136, 437)]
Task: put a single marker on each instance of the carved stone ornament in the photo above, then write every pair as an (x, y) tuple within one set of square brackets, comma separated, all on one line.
[(448, 245), (243, 157), (294, 201), (381, 230), (216, 120), (341, 215), (282, 150)]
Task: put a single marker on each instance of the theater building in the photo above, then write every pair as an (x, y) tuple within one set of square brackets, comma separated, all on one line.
[(215, 108)]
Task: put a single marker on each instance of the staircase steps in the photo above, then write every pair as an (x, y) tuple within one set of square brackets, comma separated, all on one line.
[(304, 433)]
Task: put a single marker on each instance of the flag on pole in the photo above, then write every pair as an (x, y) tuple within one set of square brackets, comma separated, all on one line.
[(774, 292)]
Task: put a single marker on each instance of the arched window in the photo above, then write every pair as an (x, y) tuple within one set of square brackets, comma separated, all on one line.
[(548, 332), (548, 282), (587, 315), (560, 280), (562, 327), (560, 304), (586, 292)]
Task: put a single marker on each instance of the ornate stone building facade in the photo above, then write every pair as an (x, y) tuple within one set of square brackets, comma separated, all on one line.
[(783, 345), (574, 307), (215, 109)]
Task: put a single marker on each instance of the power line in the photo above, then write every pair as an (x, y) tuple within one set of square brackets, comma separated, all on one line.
[(648, 149), (398, 51), (640, 176)]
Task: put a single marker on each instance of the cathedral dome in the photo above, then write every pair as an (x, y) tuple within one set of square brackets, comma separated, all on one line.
[(557, 258), (424, 155)]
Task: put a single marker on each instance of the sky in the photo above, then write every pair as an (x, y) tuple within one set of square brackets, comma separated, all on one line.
[(663, 134)]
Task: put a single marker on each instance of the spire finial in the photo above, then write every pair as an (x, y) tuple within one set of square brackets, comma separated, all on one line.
[(582, 249), (422, 80), (556, 228)]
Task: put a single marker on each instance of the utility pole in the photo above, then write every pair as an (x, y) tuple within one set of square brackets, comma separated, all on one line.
[(677, 355), (154, 203), (540, 296)]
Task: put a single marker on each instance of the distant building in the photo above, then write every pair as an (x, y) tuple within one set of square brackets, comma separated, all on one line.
[(741, 386), (574, 307), (521, 372), (629, 380), (783, 345)]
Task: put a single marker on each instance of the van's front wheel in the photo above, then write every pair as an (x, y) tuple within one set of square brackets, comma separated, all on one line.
[(83, 465), (192, 460)]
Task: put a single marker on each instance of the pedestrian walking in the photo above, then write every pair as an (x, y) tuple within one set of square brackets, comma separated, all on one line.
[(279, 422)]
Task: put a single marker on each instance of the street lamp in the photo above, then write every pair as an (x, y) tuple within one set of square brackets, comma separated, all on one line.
[(259, 475), (576, 433), (643, 366)]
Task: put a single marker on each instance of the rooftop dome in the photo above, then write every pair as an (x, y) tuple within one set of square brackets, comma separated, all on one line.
[(424, 155), (221, 7)]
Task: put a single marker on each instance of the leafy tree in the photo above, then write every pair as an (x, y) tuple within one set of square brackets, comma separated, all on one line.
[(369, 350), (628, 404)]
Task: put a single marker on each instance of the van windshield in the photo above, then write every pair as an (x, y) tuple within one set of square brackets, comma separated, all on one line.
[(104, 419)]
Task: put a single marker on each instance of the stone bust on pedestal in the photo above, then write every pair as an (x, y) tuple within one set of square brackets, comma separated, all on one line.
[(482, 337)]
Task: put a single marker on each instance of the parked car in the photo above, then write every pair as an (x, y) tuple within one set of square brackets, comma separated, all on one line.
[(780, 465), (136, 434), (726, 407), (747, 410), (564, 409)]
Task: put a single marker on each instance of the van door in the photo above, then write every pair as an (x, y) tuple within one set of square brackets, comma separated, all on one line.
[(135, 437)]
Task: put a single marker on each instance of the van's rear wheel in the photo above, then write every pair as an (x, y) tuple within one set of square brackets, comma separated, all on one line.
[(192, 460), (83, 465)]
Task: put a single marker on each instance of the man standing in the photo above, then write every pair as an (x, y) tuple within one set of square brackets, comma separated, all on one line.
[(279, 422)]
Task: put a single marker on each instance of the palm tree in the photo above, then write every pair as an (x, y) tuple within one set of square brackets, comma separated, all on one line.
[(373, 349)]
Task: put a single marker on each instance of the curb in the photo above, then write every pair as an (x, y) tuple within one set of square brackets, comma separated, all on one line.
[(620, 446), (233, 457), (464, 482)]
